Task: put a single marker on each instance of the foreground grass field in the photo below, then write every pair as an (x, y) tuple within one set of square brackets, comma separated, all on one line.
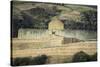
[(56, 54)]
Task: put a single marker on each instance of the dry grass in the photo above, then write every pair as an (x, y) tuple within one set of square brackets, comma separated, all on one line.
[(66, 49), (56, 54)]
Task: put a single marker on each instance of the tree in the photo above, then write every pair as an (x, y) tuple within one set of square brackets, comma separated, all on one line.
[(89, 18), (39, 60), (81, 57), (20, 61), (94, 57)]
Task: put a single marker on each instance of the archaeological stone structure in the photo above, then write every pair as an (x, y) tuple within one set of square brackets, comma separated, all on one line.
[(51, 42), (55, 27), (52, 35)]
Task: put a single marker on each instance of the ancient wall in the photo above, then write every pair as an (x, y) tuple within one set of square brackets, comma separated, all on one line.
[(32, 33), (66, 49)]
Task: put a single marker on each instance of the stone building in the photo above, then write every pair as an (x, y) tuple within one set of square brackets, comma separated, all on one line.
[(55, 24), (52, 35), (55, 27)]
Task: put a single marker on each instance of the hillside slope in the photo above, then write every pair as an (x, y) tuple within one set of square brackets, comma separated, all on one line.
[(37, 15)]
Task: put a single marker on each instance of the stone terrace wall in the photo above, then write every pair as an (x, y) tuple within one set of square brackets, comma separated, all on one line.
[(68, 49)]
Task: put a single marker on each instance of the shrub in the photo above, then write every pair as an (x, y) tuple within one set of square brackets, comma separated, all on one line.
[(21, 61), (81, 57), (39, 60), (29, 60), (94, 57)]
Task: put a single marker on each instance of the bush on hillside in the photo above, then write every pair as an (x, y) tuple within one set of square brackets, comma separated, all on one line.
[(29, 60), (81, 57), (94, 57)]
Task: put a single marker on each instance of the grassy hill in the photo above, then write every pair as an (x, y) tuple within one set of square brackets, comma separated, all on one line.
[(37, 15)]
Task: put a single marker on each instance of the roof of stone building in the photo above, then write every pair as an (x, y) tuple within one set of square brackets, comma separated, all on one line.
[(56, 24), (55, 20)]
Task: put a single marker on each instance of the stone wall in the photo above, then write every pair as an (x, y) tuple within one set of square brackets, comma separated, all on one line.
[(67, 49), (32, 33), (56, 53)]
